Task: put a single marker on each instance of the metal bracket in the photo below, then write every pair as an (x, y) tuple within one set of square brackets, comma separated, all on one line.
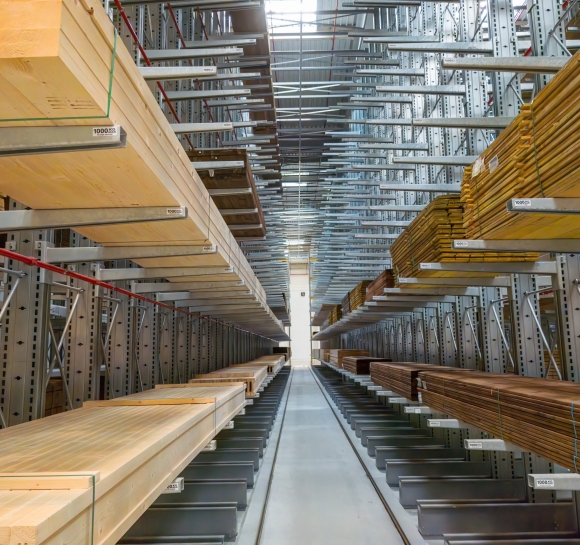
[(111, 253), (111, 275), (566, 205), (554, 481), (37, 140), (491, 444), (19, 220)]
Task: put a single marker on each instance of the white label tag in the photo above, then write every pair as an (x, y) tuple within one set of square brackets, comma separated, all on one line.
[(460, 243), (493, 164), (420, 397), (209, 248), (475, 445), (207, 69), (477, 167), (522, 202), (426, 265), (106, 131), (175, 487), (417, 411), (434, 423), (175, 211), (544, 483), (424, 385)]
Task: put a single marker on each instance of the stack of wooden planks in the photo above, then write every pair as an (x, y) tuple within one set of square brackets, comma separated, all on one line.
[(325, 354), (243, 208), (538, 415), (86, 476), (336, 355), (252, 377), (358, 295), (56, 68), (385, 280), (537, 155), (335, 315), (429, 237), (272, 363), (54, 401), (359, 365), (401, 377)]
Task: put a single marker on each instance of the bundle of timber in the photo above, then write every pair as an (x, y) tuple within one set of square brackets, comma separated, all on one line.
[(336, 355), (272, 363), (358, 295), (345, 305), (429, 237), (401, 377), (359, 365), (537, 155), (54, 400), (335, 315), (538, 415), (252, 376), (86, 476), (385, 280), (62, 63), (325, 354)]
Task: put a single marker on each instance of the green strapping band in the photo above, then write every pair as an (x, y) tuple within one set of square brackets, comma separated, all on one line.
[(109, 97)]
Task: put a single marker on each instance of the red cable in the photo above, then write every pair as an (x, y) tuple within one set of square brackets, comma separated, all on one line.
[(146, 59), (34, 262)]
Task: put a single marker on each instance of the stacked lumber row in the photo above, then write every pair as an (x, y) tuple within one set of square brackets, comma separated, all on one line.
[(273, 363), (358, 295), (325, 354), (538, 415), (401, 377), (385, 280), (359, 365), (54, 401), (61, 75), (336, 355), (131, 452), (345, 305), (537, 155), (429, 237), (335, 315), (252, 376)]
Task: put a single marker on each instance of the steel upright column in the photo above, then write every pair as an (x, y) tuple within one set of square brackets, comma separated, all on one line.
[(494, 351), (527, 350), (83, 350), (470, 354), (502, 32), (567, 299), (25, 337)]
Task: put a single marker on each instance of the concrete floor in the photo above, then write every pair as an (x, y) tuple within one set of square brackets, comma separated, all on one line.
[(320, 494)]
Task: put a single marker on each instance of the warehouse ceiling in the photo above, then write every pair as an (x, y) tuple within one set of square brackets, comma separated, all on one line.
[(312, 47)]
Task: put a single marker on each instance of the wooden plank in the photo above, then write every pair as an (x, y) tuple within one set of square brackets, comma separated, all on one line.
[(138, 451), (55, 61)]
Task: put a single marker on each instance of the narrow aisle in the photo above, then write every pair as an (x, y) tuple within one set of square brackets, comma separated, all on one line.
[(320, 493)]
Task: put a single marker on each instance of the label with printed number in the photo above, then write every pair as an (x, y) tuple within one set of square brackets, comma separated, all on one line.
[(209, 248), (460, 243), (106, 131), (475, 445), (434, 423), (544, 483), (522, 202), (175, 211)]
